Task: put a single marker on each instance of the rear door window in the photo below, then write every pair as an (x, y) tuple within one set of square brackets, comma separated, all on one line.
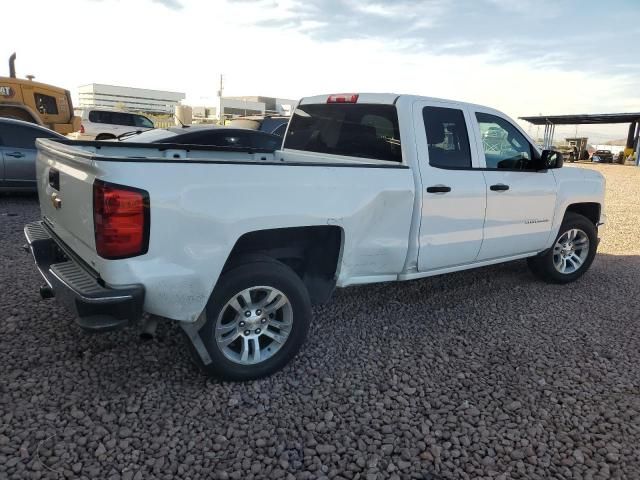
[(447, 137), (355, 130)]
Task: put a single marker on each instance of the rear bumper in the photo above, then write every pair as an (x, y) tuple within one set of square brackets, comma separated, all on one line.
[(97, 307)]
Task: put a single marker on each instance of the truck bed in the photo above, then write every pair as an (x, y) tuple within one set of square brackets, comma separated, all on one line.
[(203, 199)]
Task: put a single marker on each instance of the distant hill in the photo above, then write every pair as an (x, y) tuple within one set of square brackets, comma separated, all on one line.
[(616, 142)]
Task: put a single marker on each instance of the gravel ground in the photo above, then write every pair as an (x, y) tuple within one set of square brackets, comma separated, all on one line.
[(482, 374)]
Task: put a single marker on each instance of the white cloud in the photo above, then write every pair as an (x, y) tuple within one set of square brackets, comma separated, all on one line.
[(173, 4), (142, 44)]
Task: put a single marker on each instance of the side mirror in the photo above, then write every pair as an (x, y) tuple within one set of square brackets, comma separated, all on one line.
[(551, 159)]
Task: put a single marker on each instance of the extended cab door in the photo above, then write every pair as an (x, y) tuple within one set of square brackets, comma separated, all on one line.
[(453, 191), (520, 199)]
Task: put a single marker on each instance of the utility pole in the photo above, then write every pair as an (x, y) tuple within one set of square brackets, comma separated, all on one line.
[(220, 103)]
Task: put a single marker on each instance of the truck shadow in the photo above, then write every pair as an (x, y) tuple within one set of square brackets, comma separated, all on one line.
[(351, 328)]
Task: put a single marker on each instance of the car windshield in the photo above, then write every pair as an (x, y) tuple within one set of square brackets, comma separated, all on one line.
[(150, 136)]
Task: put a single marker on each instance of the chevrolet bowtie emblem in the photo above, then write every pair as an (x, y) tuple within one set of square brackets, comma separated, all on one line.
[(56, 201)]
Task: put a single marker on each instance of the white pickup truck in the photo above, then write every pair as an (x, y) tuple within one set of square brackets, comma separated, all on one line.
[(238, 245)]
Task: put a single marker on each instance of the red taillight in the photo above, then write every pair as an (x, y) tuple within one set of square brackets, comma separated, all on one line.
[(81, 128), (343, 98), (120, 220)]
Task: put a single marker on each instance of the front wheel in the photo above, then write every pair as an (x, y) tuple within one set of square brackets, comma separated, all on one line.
[(256, 320), (571, 254)]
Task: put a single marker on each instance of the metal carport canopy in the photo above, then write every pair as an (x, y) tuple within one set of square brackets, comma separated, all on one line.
[(583, 119), (551, 121)]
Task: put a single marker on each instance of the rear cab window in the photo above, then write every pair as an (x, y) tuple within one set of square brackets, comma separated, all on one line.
[(354, 130)]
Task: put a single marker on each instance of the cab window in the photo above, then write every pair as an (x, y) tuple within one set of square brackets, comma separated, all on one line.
[(505, 148)]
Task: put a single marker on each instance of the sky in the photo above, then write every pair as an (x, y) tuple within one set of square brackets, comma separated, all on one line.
[(524, 57)]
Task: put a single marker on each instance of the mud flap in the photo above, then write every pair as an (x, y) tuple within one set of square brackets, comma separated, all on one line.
[(193, 332)]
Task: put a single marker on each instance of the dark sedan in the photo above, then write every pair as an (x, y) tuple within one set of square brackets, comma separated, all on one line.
[(603, 156), (18, 153), (207, 135), (275, 124)]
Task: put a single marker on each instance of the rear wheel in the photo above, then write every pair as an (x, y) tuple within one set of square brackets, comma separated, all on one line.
[(256, 320), (571, 254)]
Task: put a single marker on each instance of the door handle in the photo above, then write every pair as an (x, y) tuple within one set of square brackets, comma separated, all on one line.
[(15, 154), (438, 189), (500, 187)]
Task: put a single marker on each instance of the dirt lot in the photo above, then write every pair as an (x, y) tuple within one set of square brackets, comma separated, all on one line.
[(482, 374)]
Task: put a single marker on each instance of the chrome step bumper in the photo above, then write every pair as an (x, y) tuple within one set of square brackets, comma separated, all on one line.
[(97, 307)]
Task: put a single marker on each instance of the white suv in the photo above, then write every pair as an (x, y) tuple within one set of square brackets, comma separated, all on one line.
[(105, 124)]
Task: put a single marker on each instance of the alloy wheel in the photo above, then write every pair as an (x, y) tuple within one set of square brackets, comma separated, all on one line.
[(254, 325), (570, 251)]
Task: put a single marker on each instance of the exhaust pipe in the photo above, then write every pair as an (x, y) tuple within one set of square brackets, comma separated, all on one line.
[(12, 65), (46, 292), (149, 327)]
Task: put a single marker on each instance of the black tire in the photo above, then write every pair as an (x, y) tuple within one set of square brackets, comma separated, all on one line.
[(269, 273), (543, 267)]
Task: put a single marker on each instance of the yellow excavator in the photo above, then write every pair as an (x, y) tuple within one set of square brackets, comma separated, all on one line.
[(36, 102)]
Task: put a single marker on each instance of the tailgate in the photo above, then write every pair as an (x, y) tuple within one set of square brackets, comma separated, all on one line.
[(65, 178)]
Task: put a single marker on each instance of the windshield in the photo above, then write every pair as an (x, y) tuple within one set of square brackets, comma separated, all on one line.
[(150, 136)]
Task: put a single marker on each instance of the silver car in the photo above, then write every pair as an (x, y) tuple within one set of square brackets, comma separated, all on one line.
[(18, 153)]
